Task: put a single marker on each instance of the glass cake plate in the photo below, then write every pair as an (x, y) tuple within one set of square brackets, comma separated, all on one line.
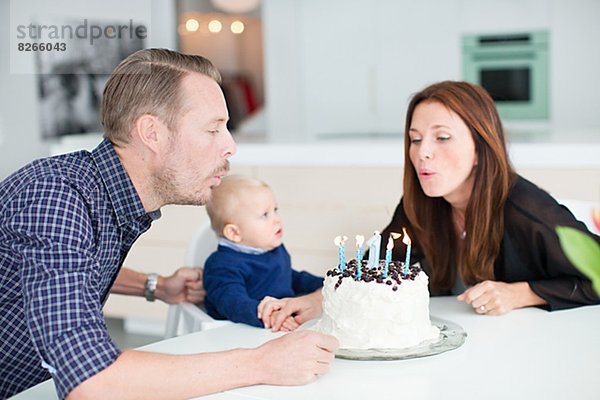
[(451, 337)]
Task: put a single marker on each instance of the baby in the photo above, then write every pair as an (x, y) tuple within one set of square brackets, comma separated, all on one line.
[(251, 262)]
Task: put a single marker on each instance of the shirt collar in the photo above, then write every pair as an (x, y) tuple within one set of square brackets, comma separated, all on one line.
[(124, 198), (240, 247)]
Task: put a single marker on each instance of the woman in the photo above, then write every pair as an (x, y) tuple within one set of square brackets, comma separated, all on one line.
[(474, 222)]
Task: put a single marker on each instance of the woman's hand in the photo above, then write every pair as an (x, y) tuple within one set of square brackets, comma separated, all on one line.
[(497, 298), (289, 324), (275, 312)]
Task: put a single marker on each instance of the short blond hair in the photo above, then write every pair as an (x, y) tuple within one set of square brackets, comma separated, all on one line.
[(148, 82), (225, 198)]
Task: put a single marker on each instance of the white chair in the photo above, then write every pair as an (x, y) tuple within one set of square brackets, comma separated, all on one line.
[(186, 317)]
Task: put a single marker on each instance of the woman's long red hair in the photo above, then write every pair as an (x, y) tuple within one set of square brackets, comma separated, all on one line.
[(431, 218)]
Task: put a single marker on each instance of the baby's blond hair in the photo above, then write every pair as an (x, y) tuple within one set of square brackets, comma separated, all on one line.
[(225, 198)]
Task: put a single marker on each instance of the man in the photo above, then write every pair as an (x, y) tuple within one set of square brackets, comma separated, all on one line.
[(67, 222)]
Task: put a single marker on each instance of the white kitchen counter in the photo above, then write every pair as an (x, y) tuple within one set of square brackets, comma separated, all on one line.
[(382, 152), (391, 153)]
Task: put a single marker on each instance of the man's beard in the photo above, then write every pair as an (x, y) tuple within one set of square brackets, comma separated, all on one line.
[(171, 191)]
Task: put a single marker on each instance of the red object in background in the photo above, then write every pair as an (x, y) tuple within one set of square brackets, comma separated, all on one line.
[(251, 103), (240, 97)]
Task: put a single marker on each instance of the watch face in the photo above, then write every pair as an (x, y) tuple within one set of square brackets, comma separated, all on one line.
[(150, 288)]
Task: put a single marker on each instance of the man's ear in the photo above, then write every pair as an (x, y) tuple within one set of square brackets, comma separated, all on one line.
[(147, 129), (232, 232)]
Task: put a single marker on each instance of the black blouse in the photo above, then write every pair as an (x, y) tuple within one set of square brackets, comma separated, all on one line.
[(530, 250)]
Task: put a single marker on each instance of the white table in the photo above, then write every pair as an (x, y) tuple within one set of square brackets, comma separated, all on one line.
[(526, 354)]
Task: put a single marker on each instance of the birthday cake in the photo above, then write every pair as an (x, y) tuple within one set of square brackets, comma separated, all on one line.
[(375, 310)]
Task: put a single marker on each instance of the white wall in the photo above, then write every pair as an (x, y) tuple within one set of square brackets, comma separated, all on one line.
[(20, 137), (349, 66), (20, 140), (575, 64), (284, 83)]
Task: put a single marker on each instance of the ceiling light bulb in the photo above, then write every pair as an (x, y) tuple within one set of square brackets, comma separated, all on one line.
[(215, 26), (237, 27), (192, 25)]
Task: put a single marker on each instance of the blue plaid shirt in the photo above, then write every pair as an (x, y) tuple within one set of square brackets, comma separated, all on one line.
[(66, 225)]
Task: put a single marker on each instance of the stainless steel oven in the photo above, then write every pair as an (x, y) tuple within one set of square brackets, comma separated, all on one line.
[(514, 70)]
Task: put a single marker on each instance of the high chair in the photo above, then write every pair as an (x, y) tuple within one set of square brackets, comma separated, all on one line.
[(186, 317)]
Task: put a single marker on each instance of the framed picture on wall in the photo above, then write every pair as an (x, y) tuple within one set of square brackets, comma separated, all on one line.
[(70, 82)]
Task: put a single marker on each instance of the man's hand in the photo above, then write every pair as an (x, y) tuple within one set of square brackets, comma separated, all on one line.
[(185, 285), (296, 358)]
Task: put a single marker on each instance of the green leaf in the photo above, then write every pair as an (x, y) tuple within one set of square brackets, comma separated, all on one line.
[(582, 251)]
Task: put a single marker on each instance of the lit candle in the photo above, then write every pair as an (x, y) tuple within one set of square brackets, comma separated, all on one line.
[(407, 242), (388, 253), (359, 254), (388, 256), (340, 241), (374, 245)]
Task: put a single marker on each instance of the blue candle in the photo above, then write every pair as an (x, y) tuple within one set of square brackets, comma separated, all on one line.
[(359, 254), (407, 242), (340, 241), (388, 256)]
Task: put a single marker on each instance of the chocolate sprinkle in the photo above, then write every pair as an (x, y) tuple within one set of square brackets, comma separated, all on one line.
[(395, 273)]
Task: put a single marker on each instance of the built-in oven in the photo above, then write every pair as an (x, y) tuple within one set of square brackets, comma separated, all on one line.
[(513, 68)]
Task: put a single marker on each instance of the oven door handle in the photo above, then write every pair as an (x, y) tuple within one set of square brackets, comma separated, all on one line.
[(513, 56)]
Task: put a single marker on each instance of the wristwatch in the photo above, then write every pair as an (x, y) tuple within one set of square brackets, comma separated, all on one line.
[(150, 288)]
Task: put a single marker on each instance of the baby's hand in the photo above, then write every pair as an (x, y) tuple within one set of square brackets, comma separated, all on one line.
[(267, 307), (268, 310)]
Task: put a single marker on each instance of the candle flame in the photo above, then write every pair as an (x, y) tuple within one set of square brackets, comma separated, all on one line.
[(340, 240), (406, 238), (395, 235), (390, 244), (360, 239)]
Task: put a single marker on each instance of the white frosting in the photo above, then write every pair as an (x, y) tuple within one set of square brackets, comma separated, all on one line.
[(372, 315)]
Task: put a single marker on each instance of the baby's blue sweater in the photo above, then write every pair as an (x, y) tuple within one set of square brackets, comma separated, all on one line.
[(236, 282)]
